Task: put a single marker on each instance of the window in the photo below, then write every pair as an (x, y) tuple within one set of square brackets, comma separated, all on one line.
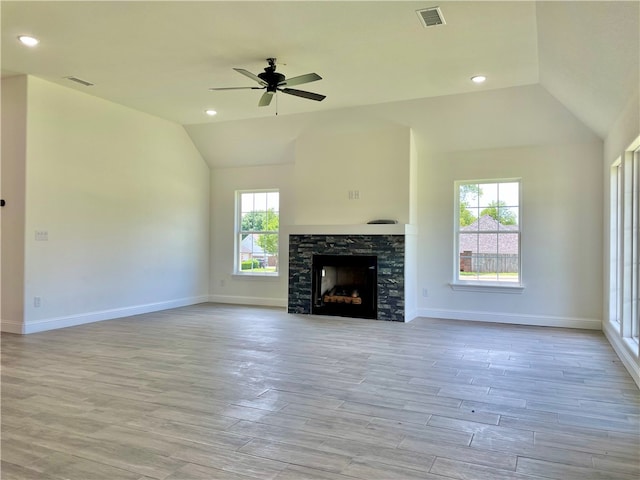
[(625, 245), (487, 240), (257, 232)]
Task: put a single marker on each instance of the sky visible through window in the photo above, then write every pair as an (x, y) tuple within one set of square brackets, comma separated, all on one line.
[(259, 201)]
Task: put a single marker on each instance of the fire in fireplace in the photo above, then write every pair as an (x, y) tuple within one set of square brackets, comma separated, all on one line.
[(345, 285)]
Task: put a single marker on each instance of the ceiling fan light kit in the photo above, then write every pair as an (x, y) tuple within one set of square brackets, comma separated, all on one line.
[(273, 82)]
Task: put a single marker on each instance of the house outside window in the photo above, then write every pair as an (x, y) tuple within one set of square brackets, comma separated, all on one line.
[(487, 237), (257, 232)]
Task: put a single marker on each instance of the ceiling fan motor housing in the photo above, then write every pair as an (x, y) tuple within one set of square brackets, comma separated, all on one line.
[(272, 78)]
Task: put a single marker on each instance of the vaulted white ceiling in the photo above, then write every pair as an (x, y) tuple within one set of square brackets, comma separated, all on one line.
[(162, 57)]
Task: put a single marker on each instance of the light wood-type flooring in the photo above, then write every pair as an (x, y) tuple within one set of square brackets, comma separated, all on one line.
[(228, 392)]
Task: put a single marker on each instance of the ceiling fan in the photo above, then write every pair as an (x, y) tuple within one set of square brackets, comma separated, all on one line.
[(274, 82)]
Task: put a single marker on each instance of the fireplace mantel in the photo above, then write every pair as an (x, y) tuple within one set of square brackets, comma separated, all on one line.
[(360, 229)]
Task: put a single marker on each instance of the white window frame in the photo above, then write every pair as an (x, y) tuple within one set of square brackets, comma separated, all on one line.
[(624, 247), (238, 232), (475, 285)]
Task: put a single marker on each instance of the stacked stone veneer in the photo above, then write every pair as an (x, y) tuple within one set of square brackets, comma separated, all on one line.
[(389, 249)]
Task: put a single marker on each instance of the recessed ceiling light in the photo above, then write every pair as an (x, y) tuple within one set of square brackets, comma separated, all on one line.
[(210, 112), (478, 78), (28, 40)]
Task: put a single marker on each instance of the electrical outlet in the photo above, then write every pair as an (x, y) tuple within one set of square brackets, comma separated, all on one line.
[(222, 283), (425, 292), (42, 235), (36, 302)]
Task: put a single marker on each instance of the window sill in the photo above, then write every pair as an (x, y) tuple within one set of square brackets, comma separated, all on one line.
[(631, 344), (486, 287), (256, 275)]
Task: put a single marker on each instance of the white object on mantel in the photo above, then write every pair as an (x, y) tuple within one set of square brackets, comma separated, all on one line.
[(360, 229)]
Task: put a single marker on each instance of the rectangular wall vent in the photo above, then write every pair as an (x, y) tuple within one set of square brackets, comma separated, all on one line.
[(431, 16), (80, 81)]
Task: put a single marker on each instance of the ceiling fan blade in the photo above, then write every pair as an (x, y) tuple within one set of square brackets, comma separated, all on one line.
[(237, 88), (247, 73), (265, 99), (303, 94), (309, 77)]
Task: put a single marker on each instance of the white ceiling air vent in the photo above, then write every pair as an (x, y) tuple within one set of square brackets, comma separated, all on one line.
[(80, 81), (431, 17)]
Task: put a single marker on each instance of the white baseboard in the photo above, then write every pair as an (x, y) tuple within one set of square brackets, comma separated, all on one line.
[(513, 318), (90, 317), (257, 301), (630, 361)]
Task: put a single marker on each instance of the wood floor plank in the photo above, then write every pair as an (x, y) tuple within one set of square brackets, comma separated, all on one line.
[(224, 391), (296, 472), (391, 413), (297, 455), (478, 456), (12, 471), (277, 434), (65, 465), (558, 470), (466, 471), (612, 463), (594, 445), (140, 460), (229, 460), (160, 428), (367, 452), (21, 451), (193, 471), (468, 414), (497, 443), (381, 471)]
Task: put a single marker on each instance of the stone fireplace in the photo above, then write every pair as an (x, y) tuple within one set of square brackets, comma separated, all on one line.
[(384, 252)]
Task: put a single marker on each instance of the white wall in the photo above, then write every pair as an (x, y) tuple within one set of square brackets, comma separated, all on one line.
[(561, 221), (14, 143), (622, 133), (374, 163), (124, 197), (242, 289)]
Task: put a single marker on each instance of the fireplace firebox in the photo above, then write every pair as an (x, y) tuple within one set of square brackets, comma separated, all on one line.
[(345, 285)]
